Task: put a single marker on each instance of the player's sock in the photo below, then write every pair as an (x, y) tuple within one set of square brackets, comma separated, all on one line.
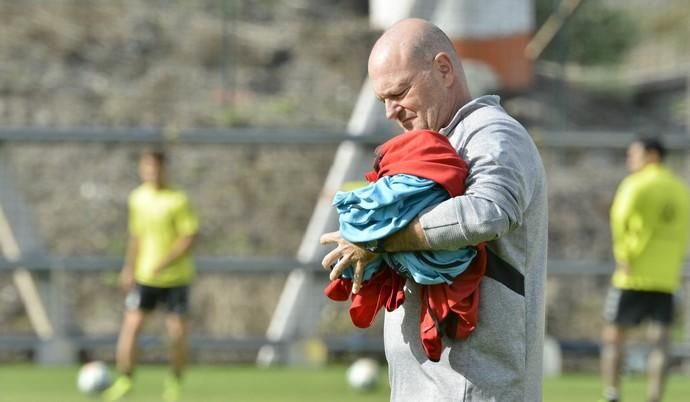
[(611, 395), (121, 387), (172, 388)]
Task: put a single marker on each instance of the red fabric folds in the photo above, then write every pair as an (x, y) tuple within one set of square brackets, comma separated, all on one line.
[(421, 153), (451, 309), (445, 309), (385, 288)]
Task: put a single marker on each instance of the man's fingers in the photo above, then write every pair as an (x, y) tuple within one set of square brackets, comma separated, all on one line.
[(331, 258), (340, 267), (342, 257), (328, 238), (357, 280)]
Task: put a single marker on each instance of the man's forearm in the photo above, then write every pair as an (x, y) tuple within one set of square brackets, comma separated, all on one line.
[(467, 221), (179, 249), (410, 238), (131, 255)]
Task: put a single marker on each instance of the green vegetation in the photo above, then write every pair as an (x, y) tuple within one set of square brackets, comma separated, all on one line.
[(593, 35), (26, 383), (587, 387)]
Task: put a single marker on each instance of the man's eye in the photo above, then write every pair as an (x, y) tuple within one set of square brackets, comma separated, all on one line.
[(393, 96), (400, 94)]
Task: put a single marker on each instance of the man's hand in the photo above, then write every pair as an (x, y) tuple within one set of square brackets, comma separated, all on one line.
[(348, 254), (126, 278), (158, 269), (178, 250)]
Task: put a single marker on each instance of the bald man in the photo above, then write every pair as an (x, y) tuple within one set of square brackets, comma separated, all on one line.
[(418, 76)]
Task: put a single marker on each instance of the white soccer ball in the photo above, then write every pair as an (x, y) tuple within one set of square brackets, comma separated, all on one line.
[(363, 374), (93, 377)]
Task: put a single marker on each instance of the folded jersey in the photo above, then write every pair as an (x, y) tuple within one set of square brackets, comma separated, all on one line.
[(412, 171)]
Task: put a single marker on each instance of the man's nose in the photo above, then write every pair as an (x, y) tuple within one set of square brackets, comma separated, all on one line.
[(392, 109)]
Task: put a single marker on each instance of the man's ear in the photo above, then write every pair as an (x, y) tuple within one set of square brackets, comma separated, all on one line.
[(444, 66)]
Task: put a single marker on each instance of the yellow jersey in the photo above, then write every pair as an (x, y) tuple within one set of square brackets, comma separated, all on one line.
[(649, 226), (157, 218)]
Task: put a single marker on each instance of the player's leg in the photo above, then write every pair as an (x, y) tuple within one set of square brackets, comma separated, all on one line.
[(127, 341), (125, 355), (660, 336), (622, 309), (177, 305), (613, 340), (138, 302), (177, 332)]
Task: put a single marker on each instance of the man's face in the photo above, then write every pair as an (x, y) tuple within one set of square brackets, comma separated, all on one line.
[(150, 170), (412, 94), (637, 157)]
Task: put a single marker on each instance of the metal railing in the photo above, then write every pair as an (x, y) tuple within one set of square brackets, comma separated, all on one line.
[(256, 265), (557, 139), (231, 264)]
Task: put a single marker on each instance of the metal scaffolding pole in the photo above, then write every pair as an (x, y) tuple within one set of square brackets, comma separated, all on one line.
[(43, 296)]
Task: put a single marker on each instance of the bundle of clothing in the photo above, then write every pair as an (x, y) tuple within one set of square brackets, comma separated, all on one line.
[(412, 172)]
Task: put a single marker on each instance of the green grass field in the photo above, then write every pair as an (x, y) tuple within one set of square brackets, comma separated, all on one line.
[(25, 383)]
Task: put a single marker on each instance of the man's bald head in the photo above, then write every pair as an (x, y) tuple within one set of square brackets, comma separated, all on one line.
[(417, 74), (412, 40)]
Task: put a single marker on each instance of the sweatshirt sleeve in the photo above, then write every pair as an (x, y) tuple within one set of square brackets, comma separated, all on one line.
[(503, 166), (629, 232)]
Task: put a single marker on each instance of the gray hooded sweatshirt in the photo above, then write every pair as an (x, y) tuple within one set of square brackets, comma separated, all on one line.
[(505, 205)]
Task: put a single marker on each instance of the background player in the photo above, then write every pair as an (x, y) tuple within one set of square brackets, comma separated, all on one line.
[(158, 270), (649, 225)]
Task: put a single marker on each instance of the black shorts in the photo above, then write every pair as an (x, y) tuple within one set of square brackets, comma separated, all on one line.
[(146, 298), (631, 307)]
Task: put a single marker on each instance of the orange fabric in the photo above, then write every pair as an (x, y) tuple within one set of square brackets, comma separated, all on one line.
[(505, 55), (450, 309)]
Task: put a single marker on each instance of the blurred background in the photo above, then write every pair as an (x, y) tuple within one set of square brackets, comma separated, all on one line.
[(256, 102)]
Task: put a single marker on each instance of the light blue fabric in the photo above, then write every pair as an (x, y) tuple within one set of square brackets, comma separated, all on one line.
[(384, 207), (431, 267), (388, 205)]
